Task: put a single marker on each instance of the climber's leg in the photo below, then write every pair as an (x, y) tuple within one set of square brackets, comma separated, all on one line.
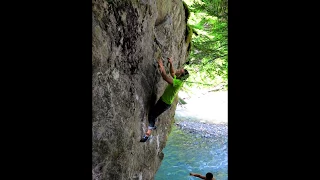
[(158, 109)]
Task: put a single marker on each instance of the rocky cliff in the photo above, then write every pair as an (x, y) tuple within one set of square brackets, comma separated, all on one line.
[(127, 38)]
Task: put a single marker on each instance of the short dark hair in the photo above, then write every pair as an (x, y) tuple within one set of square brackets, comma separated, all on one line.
[(185, 75), (185, 72), (209, 175)]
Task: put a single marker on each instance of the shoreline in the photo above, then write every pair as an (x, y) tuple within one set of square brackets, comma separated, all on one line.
[(211, 107)]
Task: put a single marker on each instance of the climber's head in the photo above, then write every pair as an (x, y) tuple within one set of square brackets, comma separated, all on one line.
[(182, 74), (209, 176)]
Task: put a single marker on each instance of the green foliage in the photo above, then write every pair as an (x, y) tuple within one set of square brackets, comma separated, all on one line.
[(217, 8), (208, 58), (181, 101)]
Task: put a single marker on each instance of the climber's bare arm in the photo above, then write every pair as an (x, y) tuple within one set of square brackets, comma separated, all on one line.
[(163, 72), (197, 175), (171, 67)]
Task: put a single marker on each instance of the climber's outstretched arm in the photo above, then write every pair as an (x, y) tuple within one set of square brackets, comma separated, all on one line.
[(197, 175), (163, 72), (171, 67)]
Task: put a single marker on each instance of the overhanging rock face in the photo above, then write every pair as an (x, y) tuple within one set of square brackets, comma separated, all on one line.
[(127, 38)]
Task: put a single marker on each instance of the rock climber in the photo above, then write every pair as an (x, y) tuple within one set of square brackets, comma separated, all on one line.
[(209, 176), (164, 103)]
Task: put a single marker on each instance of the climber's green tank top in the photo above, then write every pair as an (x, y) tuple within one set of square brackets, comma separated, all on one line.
[(171, 91)]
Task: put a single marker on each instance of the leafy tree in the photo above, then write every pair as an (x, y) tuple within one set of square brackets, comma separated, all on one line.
[(208, 60), (217, 8)]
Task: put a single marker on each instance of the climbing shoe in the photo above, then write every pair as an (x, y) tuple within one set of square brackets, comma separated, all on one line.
[(144, 138)]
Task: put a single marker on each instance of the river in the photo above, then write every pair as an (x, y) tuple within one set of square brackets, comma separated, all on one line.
[(198, 141)]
